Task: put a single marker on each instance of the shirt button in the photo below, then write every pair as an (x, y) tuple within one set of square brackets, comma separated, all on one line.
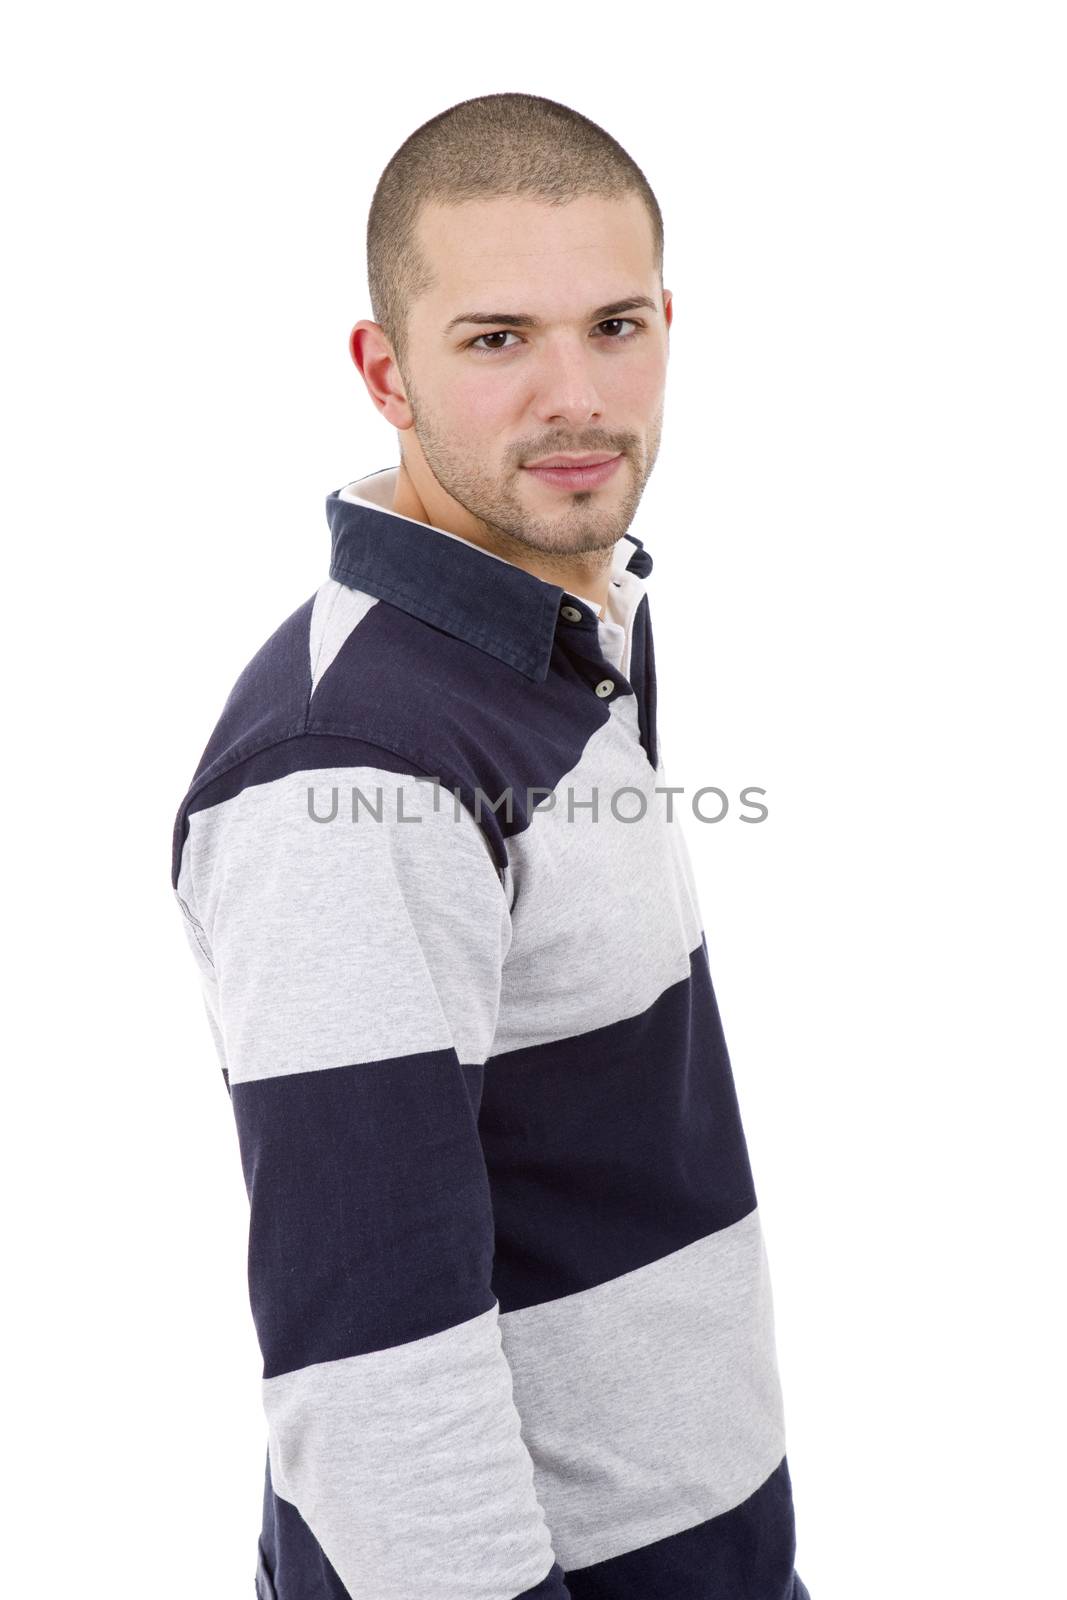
[(571, 613), (606, 686)]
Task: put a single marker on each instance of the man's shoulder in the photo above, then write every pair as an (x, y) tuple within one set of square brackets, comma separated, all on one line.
[(345, 680), (267, 700)]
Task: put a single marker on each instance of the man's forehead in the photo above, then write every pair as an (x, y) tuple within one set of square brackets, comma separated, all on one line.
[(510, 250)]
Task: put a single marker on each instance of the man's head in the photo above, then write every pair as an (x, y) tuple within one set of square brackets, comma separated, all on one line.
[(515, 256)]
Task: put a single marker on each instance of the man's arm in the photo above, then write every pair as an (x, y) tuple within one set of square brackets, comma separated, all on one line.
[(352, 977)]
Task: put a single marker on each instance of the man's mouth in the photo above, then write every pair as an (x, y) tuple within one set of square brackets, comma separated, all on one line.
[(576, 472)]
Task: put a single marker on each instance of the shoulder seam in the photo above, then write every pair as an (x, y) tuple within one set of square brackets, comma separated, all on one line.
[(338, 730)]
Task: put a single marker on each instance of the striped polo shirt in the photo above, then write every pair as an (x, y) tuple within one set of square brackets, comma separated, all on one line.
[(505, 1262)]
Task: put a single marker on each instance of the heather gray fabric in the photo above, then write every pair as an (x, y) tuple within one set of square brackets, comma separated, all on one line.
[(614, 1364), (561, 974), (409, 1468), (385, 938)]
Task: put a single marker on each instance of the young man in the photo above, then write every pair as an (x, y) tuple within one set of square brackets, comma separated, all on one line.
[(505, 1259)]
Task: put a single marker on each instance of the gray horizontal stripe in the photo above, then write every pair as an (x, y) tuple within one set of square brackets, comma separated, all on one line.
[(409, 1468), (336, 943), (652, 1402), (604, 912)]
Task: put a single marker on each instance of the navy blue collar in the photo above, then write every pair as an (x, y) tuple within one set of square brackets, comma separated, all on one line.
[(493, 604)]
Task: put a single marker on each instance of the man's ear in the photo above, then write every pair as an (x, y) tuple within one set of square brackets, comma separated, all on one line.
[(377, 364)]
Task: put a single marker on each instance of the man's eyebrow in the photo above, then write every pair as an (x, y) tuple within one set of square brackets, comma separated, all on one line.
[(524, 319)]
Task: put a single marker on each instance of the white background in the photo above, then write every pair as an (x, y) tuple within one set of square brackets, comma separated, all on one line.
[(857, 522)]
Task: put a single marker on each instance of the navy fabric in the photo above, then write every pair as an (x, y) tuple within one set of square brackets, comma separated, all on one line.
[(638, 1141), (302, 1138)]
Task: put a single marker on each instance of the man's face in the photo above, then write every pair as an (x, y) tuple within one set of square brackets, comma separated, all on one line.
[(488, 396)]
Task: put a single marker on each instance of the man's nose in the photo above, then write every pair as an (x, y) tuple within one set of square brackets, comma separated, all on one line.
[(567, 390)]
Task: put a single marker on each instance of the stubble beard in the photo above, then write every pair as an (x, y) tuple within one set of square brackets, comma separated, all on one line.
[(581, 525)]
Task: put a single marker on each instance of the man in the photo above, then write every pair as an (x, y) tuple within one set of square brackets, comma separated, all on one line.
[(505, 1259)]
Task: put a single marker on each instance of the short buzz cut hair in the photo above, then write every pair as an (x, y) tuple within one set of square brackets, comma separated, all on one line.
[(492, 147)]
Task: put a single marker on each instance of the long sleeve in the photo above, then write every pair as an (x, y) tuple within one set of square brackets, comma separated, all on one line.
[(351, 973)]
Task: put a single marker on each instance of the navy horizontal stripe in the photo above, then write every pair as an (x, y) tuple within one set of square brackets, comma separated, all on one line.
[(268, 702), (611, 1149), (300, 753), (475, 729), (371, 1222), (477, 735)]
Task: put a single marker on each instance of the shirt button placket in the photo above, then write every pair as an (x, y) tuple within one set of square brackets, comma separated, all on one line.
[(606, 686)]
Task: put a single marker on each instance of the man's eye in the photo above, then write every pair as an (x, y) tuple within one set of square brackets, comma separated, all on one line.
[(504, 333), (501, 333)]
